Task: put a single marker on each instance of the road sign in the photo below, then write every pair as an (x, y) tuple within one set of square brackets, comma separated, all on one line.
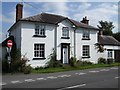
[(9, 43)]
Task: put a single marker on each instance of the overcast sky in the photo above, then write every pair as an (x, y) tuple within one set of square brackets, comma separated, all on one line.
[(95, 11)]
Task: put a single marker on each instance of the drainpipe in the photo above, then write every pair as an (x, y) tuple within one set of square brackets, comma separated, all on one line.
[(74, 41), (55, 37)]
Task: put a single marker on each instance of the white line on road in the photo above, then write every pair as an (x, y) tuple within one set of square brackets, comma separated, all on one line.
[(94, 71), (117, 77), (64, 75), (15, 82), (52, 77), (3, 84), (29, 80), (80, 73), (41, 79), (104, 69), (113, 68), (76, 86)]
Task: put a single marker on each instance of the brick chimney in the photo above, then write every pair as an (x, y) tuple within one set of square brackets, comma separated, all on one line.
[(19, 11), (85, 21)]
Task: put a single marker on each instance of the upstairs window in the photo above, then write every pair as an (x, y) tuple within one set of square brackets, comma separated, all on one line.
[(40, 30), (65, 32), (86, 35)]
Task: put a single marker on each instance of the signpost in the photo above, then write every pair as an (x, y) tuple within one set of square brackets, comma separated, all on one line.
[(9, 44)]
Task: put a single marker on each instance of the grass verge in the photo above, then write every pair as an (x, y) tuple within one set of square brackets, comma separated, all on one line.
[(69, 68)]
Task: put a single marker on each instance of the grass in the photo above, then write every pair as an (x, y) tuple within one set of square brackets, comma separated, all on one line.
[(69, 68)]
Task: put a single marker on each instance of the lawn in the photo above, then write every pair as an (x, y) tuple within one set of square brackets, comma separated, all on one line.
[(69, 68)]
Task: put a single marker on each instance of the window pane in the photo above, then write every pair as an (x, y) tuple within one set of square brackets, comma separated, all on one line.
[(40, 30), (85, 50), (39, 50), (65, 32)]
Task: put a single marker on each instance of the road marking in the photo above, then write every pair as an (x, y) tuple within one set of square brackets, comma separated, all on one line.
[(80, 73), (117, 77), (41, 79), (104, 69), (76, 86), (94, 71), (3, 84), (29, 80), (15, 82), (113, 68), (64, 75), (52, 77)]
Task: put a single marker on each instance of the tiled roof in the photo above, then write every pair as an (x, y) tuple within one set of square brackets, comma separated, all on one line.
[(45, 18), (108, 40), (55, 19)]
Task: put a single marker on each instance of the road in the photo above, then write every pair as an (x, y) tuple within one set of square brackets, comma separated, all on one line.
[(90, 78)]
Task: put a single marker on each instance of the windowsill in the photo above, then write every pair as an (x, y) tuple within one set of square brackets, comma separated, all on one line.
[(85, 38), (39, 58), (39, 36), (65, 37), (85, 56)]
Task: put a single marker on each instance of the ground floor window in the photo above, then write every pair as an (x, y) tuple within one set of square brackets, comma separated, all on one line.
[(39, 50), (85, 51), (110, 54)]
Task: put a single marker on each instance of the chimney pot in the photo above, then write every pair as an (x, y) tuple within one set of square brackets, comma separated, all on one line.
[(19, 11), (85, 21)]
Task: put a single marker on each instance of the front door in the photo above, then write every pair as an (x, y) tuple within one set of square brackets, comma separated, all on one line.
[(65, 55)]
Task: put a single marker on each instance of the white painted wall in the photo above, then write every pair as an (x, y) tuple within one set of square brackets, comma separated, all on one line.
[(62, 24), (24, 32), (16, 32), (91, 43), (27, 42)]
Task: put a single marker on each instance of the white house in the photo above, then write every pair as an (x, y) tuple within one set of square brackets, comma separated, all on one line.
[(38, 35)]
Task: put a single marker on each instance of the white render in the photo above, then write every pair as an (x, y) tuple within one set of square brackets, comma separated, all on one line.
[(24, 31)]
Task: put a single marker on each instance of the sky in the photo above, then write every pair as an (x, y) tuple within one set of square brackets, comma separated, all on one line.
[(95, 11)]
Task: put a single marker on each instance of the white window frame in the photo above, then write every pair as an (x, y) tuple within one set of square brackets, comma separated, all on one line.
[(65, 31), (39, 50), (110, 54), (40, 30), (86, 34), (85, 50)]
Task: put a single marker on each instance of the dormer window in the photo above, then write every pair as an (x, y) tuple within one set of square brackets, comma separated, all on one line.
[(39, 30), (86, 35), (65, 33)]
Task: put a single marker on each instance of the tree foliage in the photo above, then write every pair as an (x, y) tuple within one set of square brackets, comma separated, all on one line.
[(117, 36), (106, 27)]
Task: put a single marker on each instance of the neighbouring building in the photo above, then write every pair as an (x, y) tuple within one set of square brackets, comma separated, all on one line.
[(38, 35)]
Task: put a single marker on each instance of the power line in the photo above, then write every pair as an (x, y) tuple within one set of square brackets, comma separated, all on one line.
[(35, 8)]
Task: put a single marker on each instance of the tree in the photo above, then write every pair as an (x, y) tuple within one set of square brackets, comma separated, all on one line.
[(106, 27), (117, 36)]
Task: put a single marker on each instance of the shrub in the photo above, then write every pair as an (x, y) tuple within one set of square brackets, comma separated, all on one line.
[(5, 66), (53, 62), (101, 60), (86, 63), (27, 69), (109, 61), (73, 62)]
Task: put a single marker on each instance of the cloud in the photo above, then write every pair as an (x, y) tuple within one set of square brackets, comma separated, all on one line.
[(104, 11), (57, 8)]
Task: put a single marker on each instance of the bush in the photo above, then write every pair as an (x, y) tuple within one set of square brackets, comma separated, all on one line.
[(73, 62), (101, 60), (109, 61), (53, 62), (86, 63), (5, 66), (27, 69)]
